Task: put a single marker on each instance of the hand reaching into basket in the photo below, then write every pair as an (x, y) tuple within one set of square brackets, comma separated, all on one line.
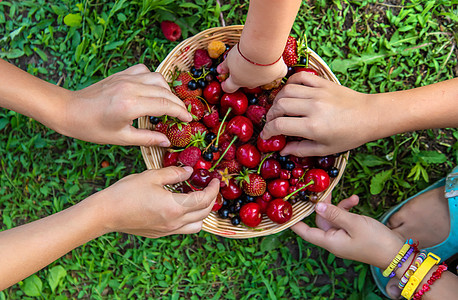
[(333, 118), (258, 59), (101, 113), (137, 204)]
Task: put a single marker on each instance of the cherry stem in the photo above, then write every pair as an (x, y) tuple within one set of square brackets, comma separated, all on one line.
[(263, 160), (221, 126), (224, 153), (206, 103), (303, 187)]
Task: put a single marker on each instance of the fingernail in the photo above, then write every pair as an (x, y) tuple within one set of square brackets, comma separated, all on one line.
[(188, 169), (320, 207), (164, 144), (393, 291)]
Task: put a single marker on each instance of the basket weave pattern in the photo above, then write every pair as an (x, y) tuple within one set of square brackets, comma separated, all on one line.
[(181, 58)]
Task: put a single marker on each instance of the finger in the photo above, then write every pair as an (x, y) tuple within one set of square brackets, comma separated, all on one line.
[(296, 91), (307, 79), (222, 68), (305, 148), (229, 86), (136, 69), (348, 203), (287, 107), (315, 236), (201, 199), (146, 138), (171, 175), (152, 78), (159, 107), (194, 227), (289, 126), (147, 90), (335, 215)]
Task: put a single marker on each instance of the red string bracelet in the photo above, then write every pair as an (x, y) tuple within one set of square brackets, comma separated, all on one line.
[(255, 63), (426, 287)]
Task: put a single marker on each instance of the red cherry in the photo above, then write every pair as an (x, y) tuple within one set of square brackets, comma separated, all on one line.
[(285, 174), (231, 191), (218, 203), (326, 162), (263, 145), (170, 158), (212, 92), (250, 214), (200, 178), (277, 143), (304, 69), (279, 211), (270, 169), (241, 127), (308, 162), (292, 189), (248, 155), (237, 101), (262, 204), (202, 164), (293, 181), (278, 188), (320, 178), (267, 196), (297, 172)]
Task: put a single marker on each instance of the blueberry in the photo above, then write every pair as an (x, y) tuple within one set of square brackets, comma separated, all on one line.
[(252, 100), (213, 71), (212, 148), (224, 213), (209, 77), (333, 172), (202, 83), (209, 137), (249, 199), (193, 70), (289, 165), (208, 156), (192, 85), (282, 159), (154, 120), (198, 73), (303, 60), (235, 220)]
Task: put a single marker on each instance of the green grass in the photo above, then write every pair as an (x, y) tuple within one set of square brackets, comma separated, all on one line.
[(372, 47)]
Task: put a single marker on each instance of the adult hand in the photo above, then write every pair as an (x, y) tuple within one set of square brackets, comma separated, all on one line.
[(104, 112), (331, 118), (138, 204), (351, 236), (245, 74)]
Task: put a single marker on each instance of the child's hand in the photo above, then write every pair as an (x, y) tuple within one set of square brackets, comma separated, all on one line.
[(245, 74), (103, 112), (331, 118), (351, 236), (138, 204)]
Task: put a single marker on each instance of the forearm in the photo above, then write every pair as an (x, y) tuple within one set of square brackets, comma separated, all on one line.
[(428, 107), (31, 96), (28, 248), (267, 28)]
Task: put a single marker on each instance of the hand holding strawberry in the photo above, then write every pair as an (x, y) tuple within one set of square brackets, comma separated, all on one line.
[(103, 112)]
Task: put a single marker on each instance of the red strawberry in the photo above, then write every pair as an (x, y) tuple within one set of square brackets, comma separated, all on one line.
[(253, 184), (263, 100), (230, 154), (201, 59), (211, 119), (256, 114), (195, 107), (290, 52), (189, 156), (179, 134), (161, 127), (232, 166), (197, 127), (171, 30), (180, 86)]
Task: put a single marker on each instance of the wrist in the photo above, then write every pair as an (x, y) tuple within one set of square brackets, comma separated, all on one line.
[(96, 211)]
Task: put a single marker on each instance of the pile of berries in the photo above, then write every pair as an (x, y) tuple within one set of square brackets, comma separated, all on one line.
[(223, 142)]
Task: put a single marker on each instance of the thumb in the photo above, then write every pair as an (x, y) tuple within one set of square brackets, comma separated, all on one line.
[(303, 148), (171, 175), (147, 138), (335, 215), (229, 86), (222, 68)]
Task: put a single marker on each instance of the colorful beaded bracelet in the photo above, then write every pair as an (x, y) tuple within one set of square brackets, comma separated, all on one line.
[(413, 267), (406, 256), (255, 63), (426, 287), (416, 278), (395, 262)]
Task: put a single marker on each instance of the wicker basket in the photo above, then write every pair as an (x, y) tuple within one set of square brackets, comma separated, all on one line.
[(181, 58)]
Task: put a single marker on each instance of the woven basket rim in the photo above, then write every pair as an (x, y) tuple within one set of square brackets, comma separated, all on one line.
[(180, 58)]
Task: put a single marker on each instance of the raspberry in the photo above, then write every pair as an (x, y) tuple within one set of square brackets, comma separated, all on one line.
[(216, 48)]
